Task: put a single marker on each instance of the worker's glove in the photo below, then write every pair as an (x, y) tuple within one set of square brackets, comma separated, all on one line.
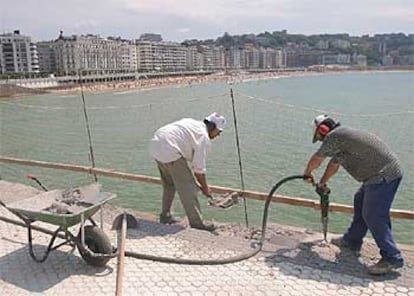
[(322, 189)]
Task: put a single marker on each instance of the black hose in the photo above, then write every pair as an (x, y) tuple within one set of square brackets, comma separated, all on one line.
[(241, 257), (269, 198), (257, 249)]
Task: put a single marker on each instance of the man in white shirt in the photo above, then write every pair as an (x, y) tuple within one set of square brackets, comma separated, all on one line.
[(173, 147)]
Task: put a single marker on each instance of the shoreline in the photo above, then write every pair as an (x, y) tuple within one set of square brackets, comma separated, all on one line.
[(165, 82), (156, 83)]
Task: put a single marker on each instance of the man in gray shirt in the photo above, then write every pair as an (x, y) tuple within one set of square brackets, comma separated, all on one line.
[(369, 161)]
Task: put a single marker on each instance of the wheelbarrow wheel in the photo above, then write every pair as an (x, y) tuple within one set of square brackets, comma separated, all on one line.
[(97, 242)]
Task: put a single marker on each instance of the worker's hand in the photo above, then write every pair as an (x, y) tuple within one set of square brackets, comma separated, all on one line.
[(309, 179), (206, 191), (322, 188)]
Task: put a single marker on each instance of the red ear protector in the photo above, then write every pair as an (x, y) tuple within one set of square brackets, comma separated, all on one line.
[(323, 129)]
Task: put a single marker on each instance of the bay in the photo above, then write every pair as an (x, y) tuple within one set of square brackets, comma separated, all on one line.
[(274, 128)]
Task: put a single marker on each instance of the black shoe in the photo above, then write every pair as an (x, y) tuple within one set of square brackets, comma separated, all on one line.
[(206, 226), (168, 219), (384, 266), (343, 244)]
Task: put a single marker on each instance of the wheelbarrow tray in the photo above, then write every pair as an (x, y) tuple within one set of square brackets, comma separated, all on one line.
[(36, 208)]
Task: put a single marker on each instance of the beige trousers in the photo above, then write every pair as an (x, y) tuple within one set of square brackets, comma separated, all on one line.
[(177, 176)]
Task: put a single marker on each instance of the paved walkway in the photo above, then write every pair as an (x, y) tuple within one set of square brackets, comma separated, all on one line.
[(293, 262)]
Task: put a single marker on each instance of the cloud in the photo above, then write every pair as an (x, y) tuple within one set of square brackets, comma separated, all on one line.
[(187, 19), (302, 16), (183, 30), (219, 11), (86, 25), (212, 11)]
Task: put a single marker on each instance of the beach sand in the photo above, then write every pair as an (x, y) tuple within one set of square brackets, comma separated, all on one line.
[(149, 83), (174, 81)]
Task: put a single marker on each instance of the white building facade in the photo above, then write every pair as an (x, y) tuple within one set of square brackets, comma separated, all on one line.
[(18, 54)]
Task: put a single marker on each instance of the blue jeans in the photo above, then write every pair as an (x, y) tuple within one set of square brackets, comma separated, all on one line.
[(372, 204)]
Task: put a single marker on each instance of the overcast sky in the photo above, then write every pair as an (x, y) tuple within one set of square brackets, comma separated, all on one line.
[(178, 20)]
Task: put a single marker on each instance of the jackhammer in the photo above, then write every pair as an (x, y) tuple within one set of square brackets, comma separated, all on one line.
[(323, 192)]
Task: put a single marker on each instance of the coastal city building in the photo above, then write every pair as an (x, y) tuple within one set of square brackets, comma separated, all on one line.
[(161, 56), (18, 54), (91, 54), (94, 55), (47, 57)]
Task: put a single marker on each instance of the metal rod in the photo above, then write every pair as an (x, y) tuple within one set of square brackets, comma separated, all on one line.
[(101, 215), (87, 126), (121, 257), (239, 155), (82, 229)]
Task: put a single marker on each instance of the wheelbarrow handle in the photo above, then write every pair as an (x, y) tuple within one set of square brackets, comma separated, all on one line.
[(33, 177)]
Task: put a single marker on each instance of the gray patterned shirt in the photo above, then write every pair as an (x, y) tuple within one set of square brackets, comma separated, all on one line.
[(363, 155)]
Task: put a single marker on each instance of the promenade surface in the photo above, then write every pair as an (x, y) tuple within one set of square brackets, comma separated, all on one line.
[(293, 261)]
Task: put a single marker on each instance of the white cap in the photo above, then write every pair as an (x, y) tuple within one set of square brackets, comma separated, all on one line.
[(218, 120)]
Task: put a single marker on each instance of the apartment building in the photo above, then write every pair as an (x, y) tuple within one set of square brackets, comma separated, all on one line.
[(271, 58), (219, 58), (339, 59), (47, 57), (251, 57), (161, 56), (204, 57), (92, 54), (126, 53), (235, 58), (68, 55), (194, 58), (18, 54), (207, 57)]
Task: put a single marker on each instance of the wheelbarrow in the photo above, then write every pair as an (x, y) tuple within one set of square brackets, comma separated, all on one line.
[(65, 209)]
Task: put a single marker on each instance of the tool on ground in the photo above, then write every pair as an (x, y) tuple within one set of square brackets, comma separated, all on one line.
[(323, 192), (131, 221), (122, 222), (33, 177), (224, 201), (121, 256)]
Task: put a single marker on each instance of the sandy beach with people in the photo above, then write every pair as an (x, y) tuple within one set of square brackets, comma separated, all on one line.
[(230, 78), (170, 81), (176, 81)]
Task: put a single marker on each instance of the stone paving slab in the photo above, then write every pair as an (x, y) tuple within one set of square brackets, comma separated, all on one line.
[(294, 264), (289, 271)]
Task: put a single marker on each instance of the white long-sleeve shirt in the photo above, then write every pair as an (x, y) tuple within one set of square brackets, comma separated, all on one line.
[(186, 138)]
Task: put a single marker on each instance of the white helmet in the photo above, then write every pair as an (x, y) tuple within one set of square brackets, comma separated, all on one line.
[(319, 127), (319, 119)]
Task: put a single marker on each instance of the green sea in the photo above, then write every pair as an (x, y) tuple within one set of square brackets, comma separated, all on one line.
[(273, 126)]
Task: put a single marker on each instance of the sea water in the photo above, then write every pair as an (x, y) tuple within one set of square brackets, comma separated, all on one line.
[(274, 131)]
